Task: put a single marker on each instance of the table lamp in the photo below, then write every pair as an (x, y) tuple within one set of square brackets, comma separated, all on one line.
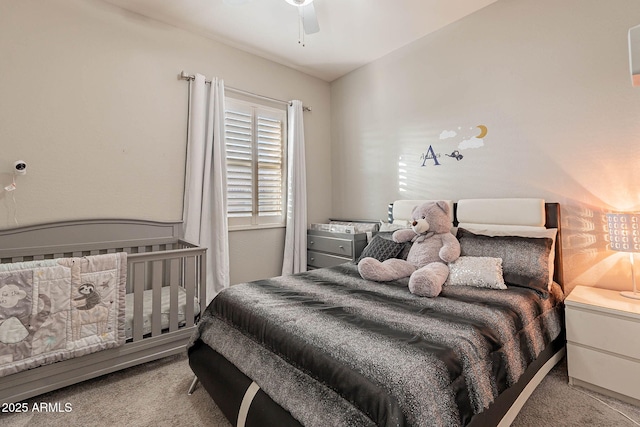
[(624, 236)]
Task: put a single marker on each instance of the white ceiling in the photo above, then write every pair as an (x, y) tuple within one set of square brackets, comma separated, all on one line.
[(352, 32)]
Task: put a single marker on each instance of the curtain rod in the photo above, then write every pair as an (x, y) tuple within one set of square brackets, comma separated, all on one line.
[(185, 76)]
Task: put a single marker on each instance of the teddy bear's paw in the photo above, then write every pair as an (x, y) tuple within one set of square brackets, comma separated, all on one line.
[(424, 288), (391, 269), (369, 268), (428, 281)]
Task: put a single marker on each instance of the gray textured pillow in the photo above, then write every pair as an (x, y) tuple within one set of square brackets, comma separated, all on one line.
[(481, 272), (381, 248), (525, 260)]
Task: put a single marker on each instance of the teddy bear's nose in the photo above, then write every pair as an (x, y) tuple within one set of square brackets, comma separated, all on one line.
[(414, 223)]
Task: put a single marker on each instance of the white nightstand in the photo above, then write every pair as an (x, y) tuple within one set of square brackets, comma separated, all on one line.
[(603, 342)]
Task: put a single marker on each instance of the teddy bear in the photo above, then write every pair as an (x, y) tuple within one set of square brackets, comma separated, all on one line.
[(433, 247)]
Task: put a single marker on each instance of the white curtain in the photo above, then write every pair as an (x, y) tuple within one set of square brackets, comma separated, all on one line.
[(205, 197), (295, 247)]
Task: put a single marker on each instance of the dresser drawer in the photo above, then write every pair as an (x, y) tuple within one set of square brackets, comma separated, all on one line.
[(320, 260), (617, 374), (608, 332), (342, 247)]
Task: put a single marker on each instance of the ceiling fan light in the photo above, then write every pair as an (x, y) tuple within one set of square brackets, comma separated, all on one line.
[(299, 3)]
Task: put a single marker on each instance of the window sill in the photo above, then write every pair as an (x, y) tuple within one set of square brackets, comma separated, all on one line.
[(254, 227)]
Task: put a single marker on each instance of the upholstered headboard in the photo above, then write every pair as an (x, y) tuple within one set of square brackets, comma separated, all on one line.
[(506, 214)]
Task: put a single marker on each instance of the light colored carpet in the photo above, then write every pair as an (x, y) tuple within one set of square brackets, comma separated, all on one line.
[(556, 403), (155, 394), (152, 394)]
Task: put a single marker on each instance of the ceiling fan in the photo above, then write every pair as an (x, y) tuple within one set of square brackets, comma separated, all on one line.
[(306, 10), (307, 15)]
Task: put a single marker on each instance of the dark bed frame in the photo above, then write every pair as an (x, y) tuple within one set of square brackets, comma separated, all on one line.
[(228, 386)]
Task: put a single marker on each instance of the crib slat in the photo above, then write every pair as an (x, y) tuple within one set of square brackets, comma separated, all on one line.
[(173, 293), (190, 282), (156, 286), (202, 282), (138, 302)]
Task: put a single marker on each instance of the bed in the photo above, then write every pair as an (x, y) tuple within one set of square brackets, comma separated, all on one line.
[(327, 347), (163, 295)]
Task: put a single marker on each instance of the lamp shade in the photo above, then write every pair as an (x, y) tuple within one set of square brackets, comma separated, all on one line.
[(624, 231)]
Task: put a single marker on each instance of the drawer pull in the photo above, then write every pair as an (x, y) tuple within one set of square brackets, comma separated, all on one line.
[(341, 247), (313, 259), (311, 242)]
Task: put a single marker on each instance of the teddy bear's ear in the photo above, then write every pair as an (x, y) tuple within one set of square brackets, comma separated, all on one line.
[(414, 209), (444, 206)]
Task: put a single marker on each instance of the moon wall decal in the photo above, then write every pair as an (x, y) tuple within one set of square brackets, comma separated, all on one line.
[(483, 131)]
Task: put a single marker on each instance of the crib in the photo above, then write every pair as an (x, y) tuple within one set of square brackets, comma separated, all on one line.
[(165, 293)]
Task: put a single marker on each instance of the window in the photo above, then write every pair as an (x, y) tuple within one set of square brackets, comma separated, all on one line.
[(255, 138)]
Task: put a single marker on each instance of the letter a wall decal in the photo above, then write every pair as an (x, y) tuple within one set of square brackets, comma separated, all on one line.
[(430, 155)]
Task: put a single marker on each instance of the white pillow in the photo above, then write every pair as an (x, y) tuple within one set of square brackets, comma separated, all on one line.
[(481, 272), (519, 231)]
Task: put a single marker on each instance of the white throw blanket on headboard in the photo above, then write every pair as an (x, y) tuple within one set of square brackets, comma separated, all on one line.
[(53, 310)]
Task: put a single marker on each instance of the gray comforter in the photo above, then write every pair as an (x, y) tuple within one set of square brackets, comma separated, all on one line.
[(335, 349)]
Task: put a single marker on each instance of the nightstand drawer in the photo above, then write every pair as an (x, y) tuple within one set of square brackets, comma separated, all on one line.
[(617, 374), (605, 332), (330, 244), (320, 260)]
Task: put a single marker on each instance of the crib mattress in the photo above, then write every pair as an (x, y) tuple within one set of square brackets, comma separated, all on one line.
[(165, 308)]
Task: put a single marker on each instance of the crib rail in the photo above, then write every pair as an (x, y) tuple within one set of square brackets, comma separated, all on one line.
[(80, 250)]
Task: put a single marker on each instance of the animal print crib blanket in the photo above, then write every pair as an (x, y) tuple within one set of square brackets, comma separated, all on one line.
[(53, 310)]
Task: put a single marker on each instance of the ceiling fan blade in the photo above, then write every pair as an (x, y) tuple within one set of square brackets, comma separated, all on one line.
[(309, 19)]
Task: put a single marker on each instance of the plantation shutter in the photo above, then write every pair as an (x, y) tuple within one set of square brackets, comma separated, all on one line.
[(239, 137), (255, 141), (270, 166)]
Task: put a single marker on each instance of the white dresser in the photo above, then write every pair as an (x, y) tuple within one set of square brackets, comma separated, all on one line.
[(603, 342)]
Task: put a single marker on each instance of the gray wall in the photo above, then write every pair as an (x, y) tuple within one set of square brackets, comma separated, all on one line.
[(89, 97), (550, 81)]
